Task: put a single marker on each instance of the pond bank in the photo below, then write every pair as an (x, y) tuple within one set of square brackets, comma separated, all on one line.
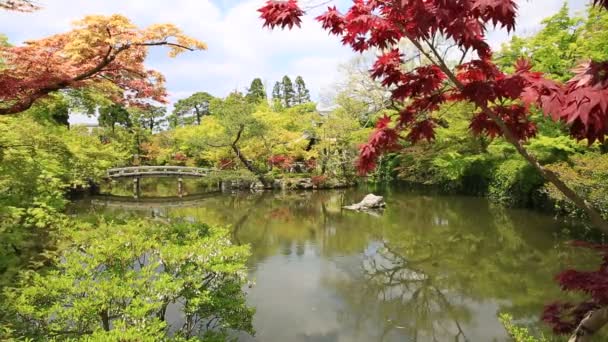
[(299, 183)]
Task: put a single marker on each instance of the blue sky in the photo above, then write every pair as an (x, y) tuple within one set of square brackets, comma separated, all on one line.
[(239, 49)]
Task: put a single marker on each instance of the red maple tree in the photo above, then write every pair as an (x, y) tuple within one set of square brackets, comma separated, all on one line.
[(103, 52), (502, 100), (281, 161)]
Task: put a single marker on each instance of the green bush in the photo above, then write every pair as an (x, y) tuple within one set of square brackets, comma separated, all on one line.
[(519, 334), (587, 174), (514, 182), (117, 280)]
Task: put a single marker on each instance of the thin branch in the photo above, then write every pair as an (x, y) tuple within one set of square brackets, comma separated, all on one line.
[(163, 43), (212, 145), (464, 54), (238, 135), (323, 3)]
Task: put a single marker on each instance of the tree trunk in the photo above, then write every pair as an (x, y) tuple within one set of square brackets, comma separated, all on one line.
[(163, 310), (248, 164), (105, 320), (604, 147), (592, 323), (198, 116)]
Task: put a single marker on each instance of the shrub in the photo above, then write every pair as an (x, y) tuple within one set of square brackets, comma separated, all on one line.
[(318, 181), (515, 182), (281, 161), (119, 280), (518, 334), (587, 174)]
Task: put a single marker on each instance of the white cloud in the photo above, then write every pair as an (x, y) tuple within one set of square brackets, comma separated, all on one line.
[(530, 15)]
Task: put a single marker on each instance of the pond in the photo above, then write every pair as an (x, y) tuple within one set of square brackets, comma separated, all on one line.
[(429, 268)]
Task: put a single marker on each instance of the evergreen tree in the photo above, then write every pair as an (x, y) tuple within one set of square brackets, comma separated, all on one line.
[(277, 97), (110, 116), (193, 108), (288, 92), (149, 117), (276, 92), (302, 94), (256, 92)]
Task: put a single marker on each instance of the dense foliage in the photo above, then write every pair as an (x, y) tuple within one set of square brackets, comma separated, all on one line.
[(40, 162), (120, 281), (244, 132)]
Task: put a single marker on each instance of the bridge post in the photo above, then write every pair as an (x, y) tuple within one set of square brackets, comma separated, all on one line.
[(180, 187), (136, 188)]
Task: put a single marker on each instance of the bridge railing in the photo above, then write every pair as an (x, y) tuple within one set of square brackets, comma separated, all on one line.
[(133, 171)]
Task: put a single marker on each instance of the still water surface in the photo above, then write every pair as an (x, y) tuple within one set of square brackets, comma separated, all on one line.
[(429, 268)]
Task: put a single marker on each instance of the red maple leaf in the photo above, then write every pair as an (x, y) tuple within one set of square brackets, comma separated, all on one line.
[(332, 21), (422, 130), (383, 122), (281, 13), (582, 103)]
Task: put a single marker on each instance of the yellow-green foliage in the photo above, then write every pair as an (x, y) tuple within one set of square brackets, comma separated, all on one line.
[(128, 274), (29, 149), (519, 334), (587, 174), (191, 141), (266, 133), (38, 164), (339, 134), (285, 130), (562, 43)]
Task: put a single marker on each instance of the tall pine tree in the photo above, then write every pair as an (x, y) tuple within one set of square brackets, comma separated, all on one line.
[(277, 93), (302, 94), (256, 92), (110, 116), (193, 108), (277, 96), (288, 92)]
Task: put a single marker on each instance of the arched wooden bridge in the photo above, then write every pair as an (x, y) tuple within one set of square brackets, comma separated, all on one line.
[(138, 172), (157, 171)]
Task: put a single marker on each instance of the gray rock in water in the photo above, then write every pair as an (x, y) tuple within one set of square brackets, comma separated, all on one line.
[(304, 183), (369, 202)]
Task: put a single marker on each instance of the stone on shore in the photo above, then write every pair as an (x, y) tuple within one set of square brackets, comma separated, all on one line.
[(369, 202)]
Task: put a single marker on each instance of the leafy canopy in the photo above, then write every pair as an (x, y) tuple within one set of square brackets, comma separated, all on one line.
[(102, 52), (192, 108), (123, 279), (256, 92)]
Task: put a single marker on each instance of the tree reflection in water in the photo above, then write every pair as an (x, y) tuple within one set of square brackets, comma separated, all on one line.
[(431, 268), (413, 301)]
